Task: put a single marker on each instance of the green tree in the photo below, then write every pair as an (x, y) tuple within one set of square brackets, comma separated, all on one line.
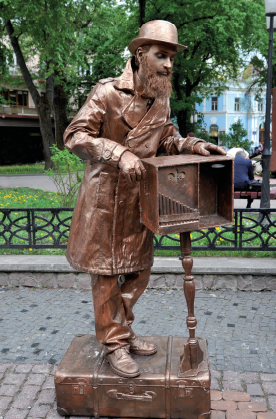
[(64, 35), (235, 138), (218, 34)]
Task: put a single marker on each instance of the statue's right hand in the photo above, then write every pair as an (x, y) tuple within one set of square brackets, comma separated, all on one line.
[(132, 167)]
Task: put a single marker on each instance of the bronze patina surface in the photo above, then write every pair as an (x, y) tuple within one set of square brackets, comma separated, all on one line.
[(123, 121), (187, 193), (86, 386)]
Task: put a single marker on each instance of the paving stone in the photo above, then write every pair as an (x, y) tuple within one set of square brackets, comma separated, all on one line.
[(39, 411), (215, 374), (216, 414), (47, 396), (53, 414), (4, 402), (232, 385), (254, 390), (236, 396), (49, 383), (42, 368), (268, 377), (272, 402), (30, 391), (252, 406), (4, 367), (23, 368), (8, 390), (266, 415), (240, 415), (223, 405), (231, 376), (215, 395), (35, 379), (23, 402), (269, 387), (16, 414), (215, 384), (249, 377), (14, 379)]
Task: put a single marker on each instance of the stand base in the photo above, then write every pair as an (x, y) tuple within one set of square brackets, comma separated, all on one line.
[(86, 386)]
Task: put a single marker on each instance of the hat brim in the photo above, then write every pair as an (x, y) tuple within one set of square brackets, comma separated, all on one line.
[(139, 42)]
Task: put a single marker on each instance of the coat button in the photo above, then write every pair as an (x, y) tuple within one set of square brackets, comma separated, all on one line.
[(147, 145), (107, 154), (121, 203)]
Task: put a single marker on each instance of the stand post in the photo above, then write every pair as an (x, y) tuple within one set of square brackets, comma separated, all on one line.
[(193, 351)]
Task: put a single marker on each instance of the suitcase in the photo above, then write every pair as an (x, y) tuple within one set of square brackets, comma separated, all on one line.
[(86, 386)]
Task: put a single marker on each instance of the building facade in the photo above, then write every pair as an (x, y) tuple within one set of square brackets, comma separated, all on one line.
[(220, 112)]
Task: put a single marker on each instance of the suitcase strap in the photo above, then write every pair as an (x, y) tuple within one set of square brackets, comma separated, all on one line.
[(167, 377), (95, 385)]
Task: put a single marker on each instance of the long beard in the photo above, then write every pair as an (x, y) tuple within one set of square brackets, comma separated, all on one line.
[(156, 86)]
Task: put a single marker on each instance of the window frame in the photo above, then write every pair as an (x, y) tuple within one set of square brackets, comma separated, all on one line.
[(7, 96), (237, 104), (214, 103)]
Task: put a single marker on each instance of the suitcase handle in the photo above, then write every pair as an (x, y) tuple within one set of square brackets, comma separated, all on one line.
[(147, 396)]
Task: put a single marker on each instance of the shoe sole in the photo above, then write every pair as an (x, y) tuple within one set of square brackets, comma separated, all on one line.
[(141, 352), (118, 372)]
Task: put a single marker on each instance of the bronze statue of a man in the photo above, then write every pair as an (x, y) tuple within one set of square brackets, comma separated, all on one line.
[(123, 120)]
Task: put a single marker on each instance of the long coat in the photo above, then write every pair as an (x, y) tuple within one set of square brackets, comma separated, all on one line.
[(106, 236)]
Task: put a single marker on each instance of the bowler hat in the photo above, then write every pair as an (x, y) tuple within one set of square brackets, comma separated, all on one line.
[(156, 32)]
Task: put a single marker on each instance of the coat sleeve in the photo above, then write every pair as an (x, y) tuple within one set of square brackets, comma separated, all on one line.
[(175, 144), (81, 136), (250, 171)]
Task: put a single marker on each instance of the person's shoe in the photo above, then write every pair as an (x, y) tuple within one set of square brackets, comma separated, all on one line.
[(141, 347), (122, 364)]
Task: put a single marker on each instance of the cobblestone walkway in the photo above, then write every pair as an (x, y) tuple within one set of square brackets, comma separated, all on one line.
[(27, 391), (37, 325)]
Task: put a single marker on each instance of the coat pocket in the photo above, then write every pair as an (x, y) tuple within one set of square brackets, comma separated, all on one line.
[(103, 192)]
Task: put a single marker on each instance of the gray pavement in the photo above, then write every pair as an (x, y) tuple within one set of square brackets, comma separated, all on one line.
[(35, 181), (45, 183), (37, 325)]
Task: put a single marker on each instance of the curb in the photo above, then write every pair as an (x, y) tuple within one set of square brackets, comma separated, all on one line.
[(245, 274)]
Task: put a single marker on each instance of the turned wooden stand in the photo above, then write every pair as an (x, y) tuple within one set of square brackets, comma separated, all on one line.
[(192, 355)]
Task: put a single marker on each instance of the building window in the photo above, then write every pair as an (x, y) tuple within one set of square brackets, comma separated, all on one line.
[(237, 104), (260, 105), (16, 97), (214, 103)]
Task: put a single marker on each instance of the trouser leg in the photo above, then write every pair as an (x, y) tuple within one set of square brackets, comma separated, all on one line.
[(110, 320), (113, 306), (133, 287)]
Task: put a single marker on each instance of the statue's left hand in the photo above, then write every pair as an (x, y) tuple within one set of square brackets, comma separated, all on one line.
[(206, 148)]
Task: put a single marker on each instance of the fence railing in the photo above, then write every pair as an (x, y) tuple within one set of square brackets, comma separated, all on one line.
[(48, 228)]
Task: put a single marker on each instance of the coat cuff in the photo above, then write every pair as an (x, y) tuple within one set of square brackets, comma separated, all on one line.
[(188, 143), (113, 156)]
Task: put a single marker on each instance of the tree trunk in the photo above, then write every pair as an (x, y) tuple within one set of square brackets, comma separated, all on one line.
[(142, 11), (43, 108), (61, 121)]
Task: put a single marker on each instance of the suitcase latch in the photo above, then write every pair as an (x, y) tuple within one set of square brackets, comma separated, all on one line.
[(184, 391), (80, 387)]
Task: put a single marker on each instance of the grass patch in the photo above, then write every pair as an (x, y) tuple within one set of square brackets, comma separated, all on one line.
[(29, 198), (25, 169)]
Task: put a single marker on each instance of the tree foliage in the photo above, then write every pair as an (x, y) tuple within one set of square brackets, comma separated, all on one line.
[(235, 138), (218, 33)]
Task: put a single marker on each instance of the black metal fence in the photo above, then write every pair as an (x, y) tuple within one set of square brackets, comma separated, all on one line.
[(48, 228)]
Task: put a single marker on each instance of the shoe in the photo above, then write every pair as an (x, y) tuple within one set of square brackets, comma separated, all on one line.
[(122, 364), (141, 347)]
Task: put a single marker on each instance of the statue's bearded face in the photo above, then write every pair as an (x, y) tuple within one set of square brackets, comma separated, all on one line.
[(155, 69)]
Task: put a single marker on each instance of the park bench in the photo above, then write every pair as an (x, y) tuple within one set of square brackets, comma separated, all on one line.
[(252, 195)]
